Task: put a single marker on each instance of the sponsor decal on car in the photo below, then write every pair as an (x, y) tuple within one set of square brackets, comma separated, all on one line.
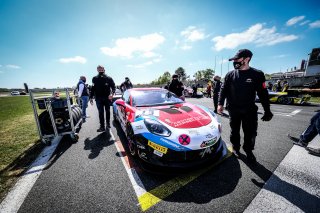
[(189, 120), (157, 147), (184, 139), (156, 152), (209, 136), (194, 132), (170, 143), (208, 142), (205, 151)]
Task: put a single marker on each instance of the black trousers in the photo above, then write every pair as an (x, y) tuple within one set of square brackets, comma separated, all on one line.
[(103, 104), (249, 121), (215, 101)]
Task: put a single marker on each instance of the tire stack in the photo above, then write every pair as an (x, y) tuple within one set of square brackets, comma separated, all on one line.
[(61, 118)]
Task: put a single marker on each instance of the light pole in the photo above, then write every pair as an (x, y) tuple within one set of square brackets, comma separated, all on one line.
[(221, 64)]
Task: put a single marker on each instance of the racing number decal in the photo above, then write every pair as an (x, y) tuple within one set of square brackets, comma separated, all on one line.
[(184, 139)]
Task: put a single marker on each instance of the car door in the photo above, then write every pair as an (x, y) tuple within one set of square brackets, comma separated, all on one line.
[(122, 109)]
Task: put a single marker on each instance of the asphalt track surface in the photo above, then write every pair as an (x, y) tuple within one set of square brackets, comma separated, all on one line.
[(92, 174)]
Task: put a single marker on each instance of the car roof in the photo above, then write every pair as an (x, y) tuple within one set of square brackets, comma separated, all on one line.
[(146, 89)]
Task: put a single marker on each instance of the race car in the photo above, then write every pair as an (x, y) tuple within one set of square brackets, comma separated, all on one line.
[(287, 98), (163, 130)]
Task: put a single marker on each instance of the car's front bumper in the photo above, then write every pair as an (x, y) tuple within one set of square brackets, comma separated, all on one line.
[(180, 159)]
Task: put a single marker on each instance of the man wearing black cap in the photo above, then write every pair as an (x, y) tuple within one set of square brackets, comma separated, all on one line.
[(103, 88), (239, 88), (176, 86)]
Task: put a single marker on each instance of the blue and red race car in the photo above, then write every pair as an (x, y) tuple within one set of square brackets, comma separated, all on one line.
[(162, 129)]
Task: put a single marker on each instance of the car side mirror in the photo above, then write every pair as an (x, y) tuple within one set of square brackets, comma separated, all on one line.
[(120, 102)]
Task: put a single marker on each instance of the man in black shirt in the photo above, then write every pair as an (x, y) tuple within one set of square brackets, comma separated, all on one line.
[(103, 88), (239, 88), (126, 85)]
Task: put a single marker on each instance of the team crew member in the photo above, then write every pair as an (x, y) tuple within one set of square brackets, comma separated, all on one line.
[(216, 91), (239, 88), (176, 86), (103, 88), (126, 85), (83, 94)]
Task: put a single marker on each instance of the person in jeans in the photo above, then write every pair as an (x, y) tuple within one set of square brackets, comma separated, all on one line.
[(312, 130), (83, 94), (103, 88)]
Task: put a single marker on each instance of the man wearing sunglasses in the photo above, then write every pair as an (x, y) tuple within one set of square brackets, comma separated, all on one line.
[(239, 88)]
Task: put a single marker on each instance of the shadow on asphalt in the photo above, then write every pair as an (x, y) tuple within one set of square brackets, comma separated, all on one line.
[(218, 181), (65, 143), (295, 195), (97, 144)]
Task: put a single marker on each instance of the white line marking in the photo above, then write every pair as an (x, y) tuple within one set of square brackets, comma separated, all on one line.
[(295, 112), (132, 173), (288, 114), (19, 192)]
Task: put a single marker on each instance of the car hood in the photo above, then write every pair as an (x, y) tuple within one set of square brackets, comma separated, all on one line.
[(179, 116)]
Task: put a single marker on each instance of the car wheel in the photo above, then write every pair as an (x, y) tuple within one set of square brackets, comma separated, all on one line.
[(284, 100), (131, 143)]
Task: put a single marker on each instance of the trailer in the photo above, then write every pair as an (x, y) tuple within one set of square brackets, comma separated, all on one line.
[(56, 115)]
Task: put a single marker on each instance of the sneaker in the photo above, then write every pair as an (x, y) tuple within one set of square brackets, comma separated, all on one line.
[(313, 151), (293, 138), (101, 129), (250, 157), (236, 153), (297, 141), (300, 143)]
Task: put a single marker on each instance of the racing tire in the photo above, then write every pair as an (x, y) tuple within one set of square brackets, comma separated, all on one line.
[(131, 144), (284, 100)]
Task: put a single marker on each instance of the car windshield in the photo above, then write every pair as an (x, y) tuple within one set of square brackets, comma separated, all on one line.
[(154, 98)]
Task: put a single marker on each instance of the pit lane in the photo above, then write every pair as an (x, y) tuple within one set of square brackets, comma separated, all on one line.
[(91, 175)]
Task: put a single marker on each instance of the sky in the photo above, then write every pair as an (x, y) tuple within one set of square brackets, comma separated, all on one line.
[(51, 43)]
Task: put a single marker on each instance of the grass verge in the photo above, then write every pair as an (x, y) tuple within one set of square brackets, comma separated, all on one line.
[(19, 140)]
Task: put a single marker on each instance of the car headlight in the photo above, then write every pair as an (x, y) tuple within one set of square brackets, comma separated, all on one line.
[(157, 128)]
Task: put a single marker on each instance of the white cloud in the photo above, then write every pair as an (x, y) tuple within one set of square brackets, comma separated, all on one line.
[(139, 66), (255, 34), (145, 64), (193, 34), (305, 22), (280, 56), (315, 24), (12, 66), (294, 20), (127, 47), (186, 47), (76, 59), (149, 54)]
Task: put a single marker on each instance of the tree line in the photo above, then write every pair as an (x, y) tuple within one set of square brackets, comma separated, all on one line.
[(205, 75)]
